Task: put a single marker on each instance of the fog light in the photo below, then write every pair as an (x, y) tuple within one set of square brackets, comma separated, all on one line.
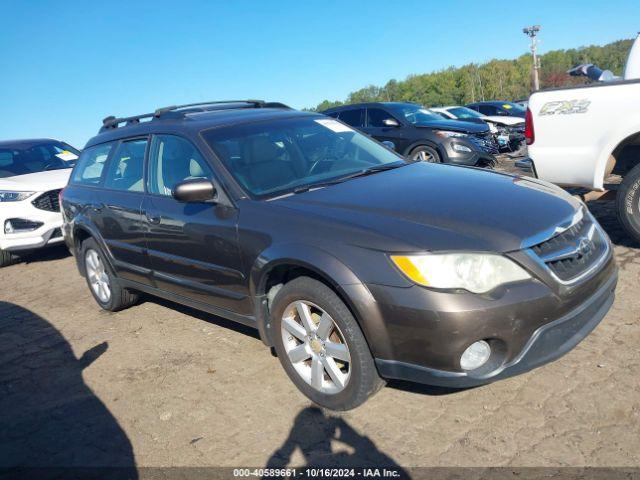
[(475, 355), (461, 148), (19, 225)]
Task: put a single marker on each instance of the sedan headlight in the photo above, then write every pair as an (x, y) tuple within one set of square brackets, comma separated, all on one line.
[(10, 196), (448, 133), (475, 272)]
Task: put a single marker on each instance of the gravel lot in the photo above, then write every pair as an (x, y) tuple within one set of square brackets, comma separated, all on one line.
[(162, 385)]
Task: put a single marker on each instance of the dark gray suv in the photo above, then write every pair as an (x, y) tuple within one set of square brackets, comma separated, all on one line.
[(354, 263), (419, 134)]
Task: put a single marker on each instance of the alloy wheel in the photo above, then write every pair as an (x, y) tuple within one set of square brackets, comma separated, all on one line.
[(97, 275), (424, 156), (316, 347)]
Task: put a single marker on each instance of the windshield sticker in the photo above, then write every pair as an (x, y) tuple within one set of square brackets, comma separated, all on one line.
[(67, 156), (333, 125)]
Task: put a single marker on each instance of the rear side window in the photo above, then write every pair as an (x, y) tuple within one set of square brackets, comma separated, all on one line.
[(126, 167), (377, 116), (89, 169), (173, 160), (488, 110), (355, 118)]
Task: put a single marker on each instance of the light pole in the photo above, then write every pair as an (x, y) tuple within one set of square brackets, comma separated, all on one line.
[(532, 32)]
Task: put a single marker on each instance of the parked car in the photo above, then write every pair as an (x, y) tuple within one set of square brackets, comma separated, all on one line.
[(417, 133), (508, 131), (499, 109), (588, 136), (355, 263), (32, 173)]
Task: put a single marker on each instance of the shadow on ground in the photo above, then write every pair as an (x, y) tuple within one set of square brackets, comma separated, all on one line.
[(46, 254), (48, 416), (200, 315), (329, 441), (605, 213)]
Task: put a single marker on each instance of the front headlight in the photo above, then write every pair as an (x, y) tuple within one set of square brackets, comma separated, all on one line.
[(475, 272), (10, 196), (448, 133)]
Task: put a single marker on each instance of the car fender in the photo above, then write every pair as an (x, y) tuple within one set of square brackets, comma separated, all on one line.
[(335, 273), (82, 223)]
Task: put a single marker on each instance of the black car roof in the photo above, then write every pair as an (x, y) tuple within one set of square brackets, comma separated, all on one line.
[(369, 104), (496, 103), (193, 121), (27, 142)]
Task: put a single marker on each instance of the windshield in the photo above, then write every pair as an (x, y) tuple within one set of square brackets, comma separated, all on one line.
[(417, 115), (464, 112), (23, 159), (514, 109), (277, 157)]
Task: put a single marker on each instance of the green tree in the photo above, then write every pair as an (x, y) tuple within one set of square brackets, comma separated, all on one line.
[(493, 80)]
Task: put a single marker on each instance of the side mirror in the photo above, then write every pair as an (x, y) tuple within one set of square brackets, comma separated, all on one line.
[(390, 122), (389, 144), (198, 190)]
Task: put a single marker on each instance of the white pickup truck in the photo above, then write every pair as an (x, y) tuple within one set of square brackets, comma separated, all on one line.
[(583, 136)]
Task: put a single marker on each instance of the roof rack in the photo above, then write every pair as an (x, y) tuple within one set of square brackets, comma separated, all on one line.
[(113, 122)]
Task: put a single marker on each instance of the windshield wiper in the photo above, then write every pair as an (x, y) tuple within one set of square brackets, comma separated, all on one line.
[(344, 178)]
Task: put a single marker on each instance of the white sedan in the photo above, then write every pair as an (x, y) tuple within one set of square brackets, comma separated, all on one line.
[(32, 174), (467, 114)]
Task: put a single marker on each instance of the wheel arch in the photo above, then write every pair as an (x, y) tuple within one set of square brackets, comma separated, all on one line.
[(275, 267), (425, 143), (80, 233), (617, 157), (624, 156)]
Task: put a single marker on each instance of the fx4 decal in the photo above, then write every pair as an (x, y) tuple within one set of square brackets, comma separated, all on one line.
[(565, 107)]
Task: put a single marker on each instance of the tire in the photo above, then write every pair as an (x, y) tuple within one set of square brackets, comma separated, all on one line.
[(628, 203), (361, 380), (425, 153), (7, 258), (487, 164), (118, 298)]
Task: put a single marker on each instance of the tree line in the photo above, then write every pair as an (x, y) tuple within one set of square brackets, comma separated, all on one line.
[(493, 80)]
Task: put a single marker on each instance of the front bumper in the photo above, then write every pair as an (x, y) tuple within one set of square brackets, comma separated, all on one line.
[(455, 156), (547, 343), (48, 233)]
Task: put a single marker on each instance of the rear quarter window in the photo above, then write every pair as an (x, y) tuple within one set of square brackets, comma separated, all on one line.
[(90, 166), (354, 118)]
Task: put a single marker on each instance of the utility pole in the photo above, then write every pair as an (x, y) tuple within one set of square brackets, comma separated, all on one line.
[(532, 32)]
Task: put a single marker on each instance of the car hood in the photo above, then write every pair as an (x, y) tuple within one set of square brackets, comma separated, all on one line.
[(504, 120), (455, 125), (37, 182), (428, 207)]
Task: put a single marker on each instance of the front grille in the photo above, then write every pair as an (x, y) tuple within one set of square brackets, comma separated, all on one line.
[(573, 252), (485, 142), (48, 201)]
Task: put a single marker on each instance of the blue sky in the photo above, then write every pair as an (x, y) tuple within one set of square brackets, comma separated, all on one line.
[(68, 64)]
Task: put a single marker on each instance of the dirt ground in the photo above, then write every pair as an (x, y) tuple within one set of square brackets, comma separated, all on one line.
[(163, 385)]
